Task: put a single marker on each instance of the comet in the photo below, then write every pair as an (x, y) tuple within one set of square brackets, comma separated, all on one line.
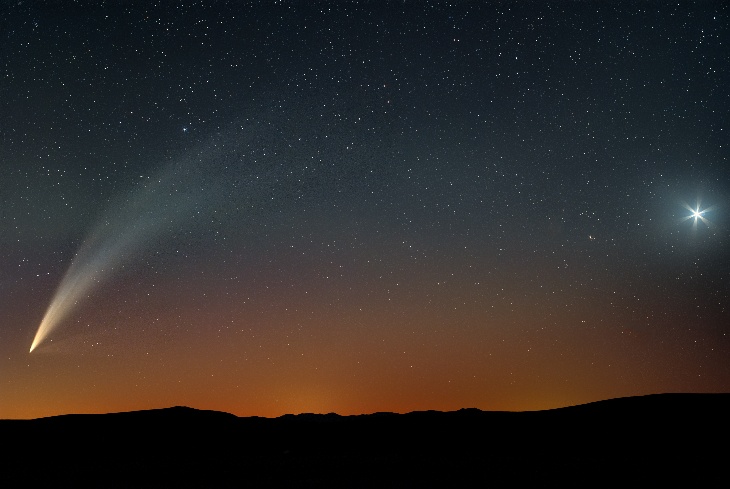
[(117, 239), (157, 207)]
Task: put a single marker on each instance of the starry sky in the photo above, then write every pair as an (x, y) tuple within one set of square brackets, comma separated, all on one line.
[(286, 207)]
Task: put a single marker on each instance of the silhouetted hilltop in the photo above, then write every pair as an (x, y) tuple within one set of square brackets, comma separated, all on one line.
[(645, 439)]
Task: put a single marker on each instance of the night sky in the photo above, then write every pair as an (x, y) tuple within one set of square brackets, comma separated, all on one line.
[(284, 207)]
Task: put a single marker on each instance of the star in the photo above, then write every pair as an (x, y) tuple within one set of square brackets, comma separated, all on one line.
[(697, 213)]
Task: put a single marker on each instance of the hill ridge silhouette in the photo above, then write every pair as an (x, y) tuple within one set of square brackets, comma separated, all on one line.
[(638, 439), (189, 410)]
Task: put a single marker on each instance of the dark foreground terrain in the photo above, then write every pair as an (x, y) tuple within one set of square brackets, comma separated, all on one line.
[(632, 441)]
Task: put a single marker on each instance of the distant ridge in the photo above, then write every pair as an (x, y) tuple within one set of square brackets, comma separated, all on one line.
[(174, 412), (638, 439), (644, 402)]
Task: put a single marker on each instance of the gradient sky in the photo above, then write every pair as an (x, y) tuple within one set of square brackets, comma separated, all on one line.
[(342, 207)]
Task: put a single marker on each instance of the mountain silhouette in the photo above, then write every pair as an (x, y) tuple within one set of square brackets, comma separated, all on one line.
[(629, 441)]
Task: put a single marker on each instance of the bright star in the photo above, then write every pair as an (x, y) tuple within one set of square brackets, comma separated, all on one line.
[(697, 213)]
